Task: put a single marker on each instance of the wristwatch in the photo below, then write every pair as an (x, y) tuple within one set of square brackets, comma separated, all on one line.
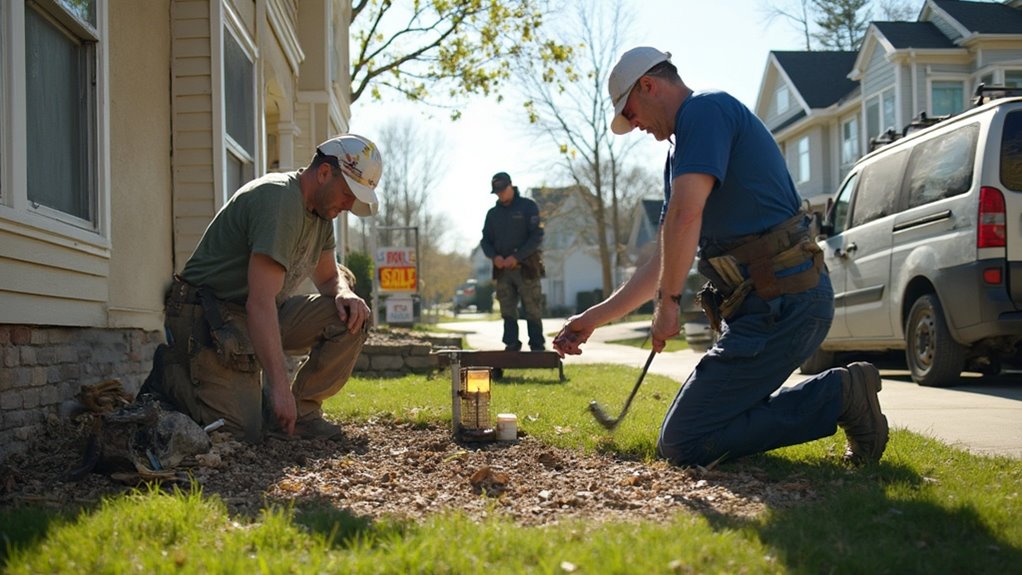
[(676, 298)]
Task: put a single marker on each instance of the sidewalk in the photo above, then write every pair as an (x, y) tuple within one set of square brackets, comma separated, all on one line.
[(983, 416)]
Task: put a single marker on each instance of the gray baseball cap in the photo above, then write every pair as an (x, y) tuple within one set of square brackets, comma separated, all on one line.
[(632, 66)]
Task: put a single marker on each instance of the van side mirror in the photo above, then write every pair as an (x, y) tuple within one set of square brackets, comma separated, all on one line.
[(820, 226)]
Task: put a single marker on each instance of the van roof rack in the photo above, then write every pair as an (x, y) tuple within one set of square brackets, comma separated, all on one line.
[(921, 121), (984, 93)]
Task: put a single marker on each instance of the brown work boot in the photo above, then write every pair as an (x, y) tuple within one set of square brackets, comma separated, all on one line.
[(318, 428), (864, 424)]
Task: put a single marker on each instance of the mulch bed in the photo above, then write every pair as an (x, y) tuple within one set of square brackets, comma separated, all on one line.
[(386, 468)]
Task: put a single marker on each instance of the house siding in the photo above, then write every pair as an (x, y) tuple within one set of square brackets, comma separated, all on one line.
[(78, 306), (74, 312), (192, 125), (992, 57), (879, 74)]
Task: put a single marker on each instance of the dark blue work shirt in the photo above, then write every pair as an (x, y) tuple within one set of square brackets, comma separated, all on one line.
[(715, 134), (514, 229)]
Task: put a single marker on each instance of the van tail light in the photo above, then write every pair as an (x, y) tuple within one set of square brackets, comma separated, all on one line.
[(991, 232)]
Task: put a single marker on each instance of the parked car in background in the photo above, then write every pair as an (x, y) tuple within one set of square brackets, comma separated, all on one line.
[(924, 247), (465, 296)]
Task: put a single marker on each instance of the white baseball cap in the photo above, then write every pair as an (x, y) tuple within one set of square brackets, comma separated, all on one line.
[(362, 166), (632, 66)]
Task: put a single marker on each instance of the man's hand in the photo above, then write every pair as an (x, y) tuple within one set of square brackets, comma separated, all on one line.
[(511, 262), (498, 262), (575, 332), (353, 311), (666, 322), (284, 408)]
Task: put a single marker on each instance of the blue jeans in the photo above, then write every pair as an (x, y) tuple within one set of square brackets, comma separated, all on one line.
[(727, 408)]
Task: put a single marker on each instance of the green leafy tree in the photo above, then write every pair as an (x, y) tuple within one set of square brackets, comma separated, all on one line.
[(447, 48)]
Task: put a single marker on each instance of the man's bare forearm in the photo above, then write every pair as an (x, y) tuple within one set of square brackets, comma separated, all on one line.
[(264, 329)]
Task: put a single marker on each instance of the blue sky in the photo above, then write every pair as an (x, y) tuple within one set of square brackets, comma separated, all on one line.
[(719, 44)]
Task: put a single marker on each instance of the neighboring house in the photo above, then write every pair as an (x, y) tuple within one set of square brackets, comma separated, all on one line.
[(570, 253), (824, 107), (645, 225), (482, 267), (124, 126), (812, 109)]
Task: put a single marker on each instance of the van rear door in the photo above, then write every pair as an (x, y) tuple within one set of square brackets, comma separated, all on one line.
[(1010, 165)]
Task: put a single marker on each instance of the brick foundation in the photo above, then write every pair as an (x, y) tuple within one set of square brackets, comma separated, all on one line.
[(41, 367)]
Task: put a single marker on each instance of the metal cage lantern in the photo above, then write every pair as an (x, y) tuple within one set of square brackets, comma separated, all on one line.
[(473, 414)]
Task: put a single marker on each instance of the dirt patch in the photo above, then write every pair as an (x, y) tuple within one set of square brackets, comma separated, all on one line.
[(395, 469)]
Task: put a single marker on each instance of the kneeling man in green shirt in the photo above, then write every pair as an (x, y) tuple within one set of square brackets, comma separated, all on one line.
[(232, 314)]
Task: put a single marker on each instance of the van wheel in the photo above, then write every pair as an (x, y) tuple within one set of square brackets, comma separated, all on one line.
[(819, 362), (933, 357)]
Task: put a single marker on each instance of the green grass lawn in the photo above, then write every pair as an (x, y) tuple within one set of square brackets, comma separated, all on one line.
[(926, 508)]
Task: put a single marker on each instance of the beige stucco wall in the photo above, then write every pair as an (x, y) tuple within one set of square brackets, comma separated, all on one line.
[(140, 174)]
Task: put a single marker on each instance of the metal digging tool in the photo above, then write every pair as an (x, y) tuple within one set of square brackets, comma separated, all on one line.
[(612, 422)]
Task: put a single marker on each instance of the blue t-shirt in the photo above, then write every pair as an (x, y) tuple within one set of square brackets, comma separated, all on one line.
[(715, 134)]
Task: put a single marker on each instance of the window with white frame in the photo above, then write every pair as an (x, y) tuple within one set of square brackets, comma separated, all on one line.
[(60, 109), (946, 97), (781, 98), (239, 112), (1013, 78), (889, 116), (880, 113), (849, 141), (872, 117), (803, 159)]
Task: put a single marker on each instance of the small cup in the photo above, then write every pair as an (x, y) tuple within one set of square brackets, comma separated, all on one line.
[(507, 427)]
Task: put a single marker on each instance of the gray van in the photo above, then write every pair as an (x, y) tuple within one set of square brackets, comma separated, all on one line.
[(924, 246)]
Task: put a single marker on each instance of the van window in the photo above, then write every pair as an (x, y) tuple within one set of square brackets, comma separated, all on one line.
[(878, 189), (942, 167), (1011, 151), (839, 211)]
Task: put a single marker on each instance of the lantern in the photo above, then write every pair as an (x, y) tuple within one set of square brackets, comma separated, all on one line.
[(472, 405)]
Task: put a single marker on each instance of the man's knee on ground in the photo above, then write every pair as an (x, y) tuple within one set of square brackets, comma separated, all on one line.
[(683, 452)]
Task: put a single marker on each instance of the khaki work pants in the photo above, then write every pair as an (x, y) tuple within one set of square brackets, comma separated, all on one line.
[(200, 385)]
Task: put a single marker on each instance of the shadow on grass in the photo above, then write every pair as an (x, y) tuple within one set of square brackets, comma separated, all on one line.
[(339, 527), (528, 379), (22, 528), (856, 526)]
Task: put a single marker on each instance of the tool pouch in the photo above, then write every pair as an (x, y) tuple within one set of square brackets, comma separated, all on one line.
[(532, 266), (709, 298), (229, 333)]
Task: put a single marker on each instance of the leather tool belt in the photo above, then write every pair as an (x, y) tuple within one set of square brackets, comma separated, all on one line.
[(762, 256), (213, 325)]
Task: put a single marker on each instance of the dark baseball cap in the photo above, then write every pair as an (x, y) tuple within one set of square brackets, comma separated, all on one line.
[(500, 182)]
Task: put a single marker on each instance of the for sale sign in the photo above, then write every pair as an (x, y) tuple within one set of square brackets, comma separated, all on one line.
[(396, 270)]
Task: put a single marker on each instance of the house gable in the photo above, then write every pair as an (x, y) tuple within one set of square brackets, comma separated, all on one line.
[(969, 19)]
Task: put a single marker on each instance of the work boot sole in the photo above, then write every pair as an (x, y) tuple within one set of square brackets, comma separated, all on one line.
[(863, 371)]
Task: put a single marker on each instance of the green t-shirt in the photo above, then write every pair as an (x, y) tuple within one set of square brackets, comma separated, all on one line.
[(266, 216)]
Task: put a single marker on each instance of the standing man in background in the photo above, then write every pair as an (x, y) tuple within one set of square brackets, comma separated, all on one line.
[(512, 235)]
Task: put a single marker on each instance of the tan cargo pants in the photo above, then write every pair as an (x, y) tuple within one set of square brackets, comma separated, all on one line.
[(201, 386)]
